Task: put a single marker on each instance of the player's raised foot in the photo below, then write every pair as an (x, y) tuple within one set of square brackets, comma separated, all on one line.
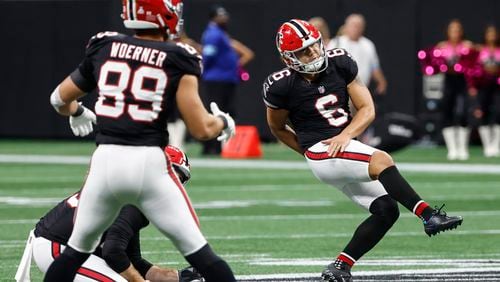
[(440, 221), (336, 273), (190, 274)]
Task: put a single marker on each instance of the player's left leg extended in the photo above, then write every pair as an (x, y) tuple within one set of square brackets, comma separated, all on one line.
[(382, 167)]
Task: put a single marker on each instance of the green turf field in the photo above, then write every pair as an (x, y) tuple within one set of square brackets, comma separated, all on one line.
[(272, 221)]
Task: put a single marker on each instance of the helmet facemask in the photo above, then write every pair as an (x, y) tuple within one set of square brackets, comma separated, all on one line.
[(316, 66), (176, 7)]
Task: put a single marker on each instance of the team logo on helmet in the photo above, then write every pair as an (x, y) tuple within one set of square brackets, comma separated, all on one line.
[(154, 14)]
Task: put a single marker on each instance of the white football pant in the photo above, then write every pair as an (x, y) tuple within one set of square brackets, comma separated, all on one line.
[(348, 171), (141, 176), (92, 270)]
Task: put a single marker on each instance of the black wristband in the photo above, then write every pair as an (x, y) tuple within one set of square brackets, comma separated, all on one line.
[(79, 111), (142, 266), (224, 121)]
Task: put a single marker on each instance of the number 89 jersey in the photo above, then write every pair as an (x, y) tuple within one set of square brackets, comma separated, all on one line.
[(137, 82), (319, 109)]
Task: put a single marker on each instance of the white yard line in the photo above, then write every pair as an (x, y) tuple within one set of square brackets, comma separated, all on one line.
[(295, 217), (433, 271), (331, 235), (262, 164), (305, 236), (462, 263)]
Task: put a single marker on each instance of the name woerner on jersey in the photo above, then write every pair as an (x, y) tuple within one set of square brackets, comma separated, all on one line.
[(142, 54)]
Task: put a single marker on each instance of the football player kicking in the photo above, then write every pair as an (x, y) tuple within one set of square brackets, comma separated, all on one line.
[(307, 109), (119, 251), (139, 79)]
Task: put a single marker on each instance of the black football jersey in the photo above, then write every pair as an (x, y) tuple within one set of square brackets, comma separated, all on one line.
[(57, 224), (319, 109), (136, 81)]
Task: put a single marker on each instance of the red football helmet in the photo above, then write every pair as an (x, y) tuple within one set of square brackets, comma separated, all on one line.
[(154, 14), (296, 35), (180, 163)]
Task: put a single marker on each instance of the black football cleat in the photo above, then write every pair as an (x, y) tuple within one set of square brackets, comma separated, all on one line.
[(190, 274), (439, 221), (336, 273)]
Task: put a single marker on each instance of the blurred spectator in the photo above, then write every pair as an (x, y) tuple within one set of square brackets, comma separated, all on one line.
[(488, 90), (320, 24), (223, 59), (363, 51), (455, 102)]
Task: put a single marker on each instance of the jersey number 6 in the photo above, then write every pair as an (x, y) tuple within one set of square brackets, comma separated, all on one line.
[(115, 91), (335, 116)]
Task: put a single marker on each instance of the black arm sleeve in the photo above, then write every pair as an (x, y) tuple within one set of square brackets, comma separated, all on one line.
[(134, 254), (119, 236)]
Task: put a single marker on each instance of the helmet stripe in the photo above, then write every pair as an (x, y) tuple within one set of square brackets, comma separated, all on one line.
[(130, 8), (300, 28), (134, 11), (297, 31)]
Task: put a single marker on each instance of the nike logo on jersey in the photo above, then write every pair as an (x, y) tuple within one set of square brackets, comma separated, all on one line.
[(142, 54)]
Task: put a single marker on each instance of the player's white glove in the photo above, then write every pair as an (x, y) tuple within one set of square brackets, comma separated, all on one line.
[(81, 122), (229, 128)]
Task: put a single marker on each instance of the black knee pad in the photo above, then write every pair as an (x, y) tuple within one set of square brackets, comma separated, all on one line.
[(386, 208)]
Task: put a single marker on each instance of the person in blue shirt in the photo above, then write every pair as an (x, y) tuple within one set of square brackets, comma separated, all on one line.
[(223, 57)]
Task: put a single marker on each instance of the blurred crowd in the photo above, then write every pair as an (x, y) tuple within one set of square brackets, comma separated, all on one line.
[(470, 100)]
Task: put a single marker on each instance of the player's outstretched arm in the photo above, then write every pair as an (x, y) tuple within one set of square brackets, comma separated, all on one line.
[(64, 97), (201, 124), (64, 100), (276, 119)]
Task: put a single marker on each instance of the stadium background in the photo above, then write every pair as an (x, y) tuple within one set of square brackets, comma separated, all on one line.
[(42, 41), (269, 217)]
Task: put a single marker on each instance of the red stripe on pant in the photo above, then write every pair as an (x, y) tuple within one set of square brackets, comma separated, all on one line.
[(56, 251), (341, 155), (183, 191)]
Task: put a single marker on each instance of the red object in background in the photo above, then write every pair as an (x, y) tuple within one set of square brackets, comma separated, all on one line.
[(244, 144)]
